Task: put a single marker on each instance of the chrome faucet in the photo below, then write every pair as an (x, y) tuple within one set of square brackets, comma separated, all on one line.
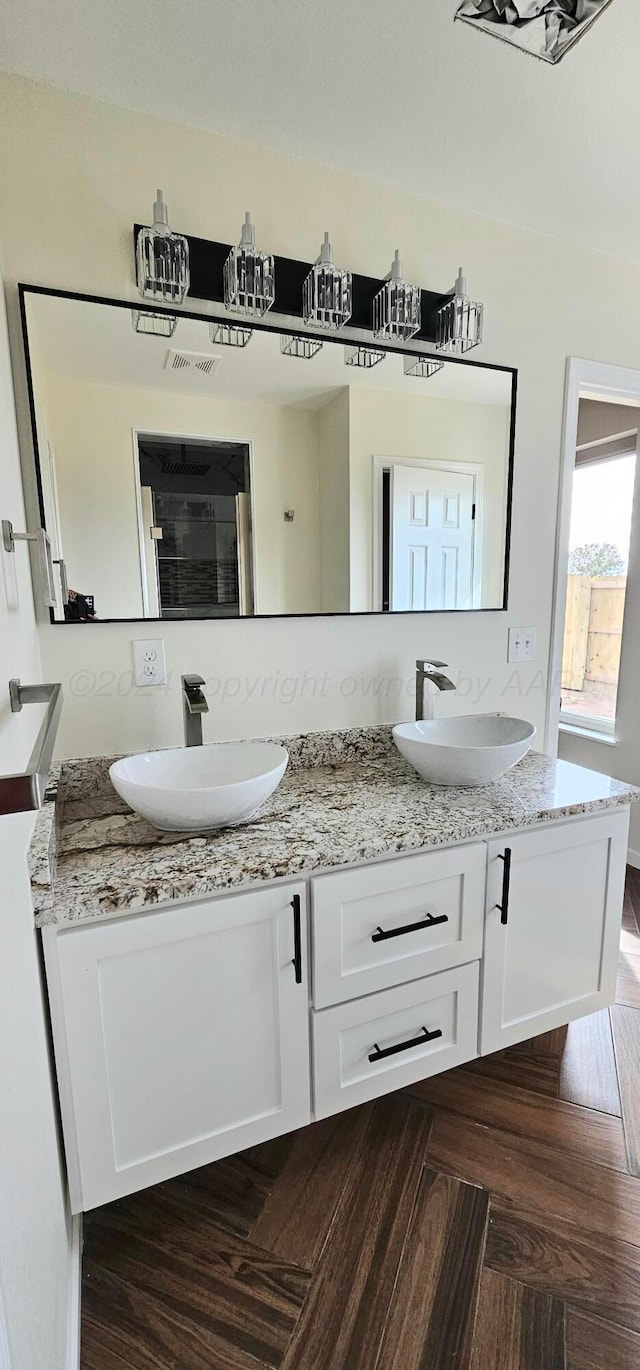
[(194, 705), (429, 671)]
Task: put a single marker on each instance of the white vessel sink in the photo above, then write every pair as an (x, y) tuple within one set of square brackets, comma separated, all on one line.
[(471, 750), (191, 789)]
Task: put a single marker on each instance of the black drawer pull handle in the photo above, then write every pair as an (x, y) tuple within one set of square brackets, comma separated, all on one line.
[(429, 922), (297, 938), (506, 880), (379, 1053)]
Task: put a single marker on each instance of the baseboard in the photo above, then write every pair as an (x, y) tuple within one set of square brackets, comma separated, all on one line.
[(75, 1282), (633, 858)]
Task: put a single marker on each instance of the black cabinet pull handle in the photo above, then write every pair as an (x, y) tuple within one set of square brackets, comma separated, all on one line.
[(297, 938), (379, 1053), (506, 881), (429, 922)]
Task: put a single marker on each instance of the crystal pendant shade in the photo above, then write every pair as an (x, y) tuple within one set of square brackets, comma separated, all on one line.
[(162, 259), (363, 356), (293, 345), (144, 321), (459, 321), (249, 275), (396, 307), (230, 334), (422, 367), (326, 294)]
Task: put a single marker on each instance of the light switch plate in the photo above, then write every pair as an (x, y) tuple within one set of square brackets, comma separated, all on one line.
[(522, 644), (149, 664)]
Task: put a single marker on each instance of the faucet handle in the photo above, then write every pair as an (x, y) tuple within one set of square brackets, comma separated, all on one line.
[(429, 663), (192, 682)]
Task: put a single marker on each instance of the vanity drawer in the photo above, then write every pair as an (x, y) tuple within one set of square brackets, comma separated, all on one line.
[(385, 924), (386, 1041)]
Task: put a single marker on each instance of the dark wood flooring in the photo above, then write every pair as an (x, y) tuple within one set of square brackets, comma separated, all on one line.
[(487, 1219)]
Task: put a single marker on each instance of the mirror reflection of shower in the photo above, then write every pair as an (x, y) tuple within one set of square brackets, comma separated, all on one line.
[(194, 527)]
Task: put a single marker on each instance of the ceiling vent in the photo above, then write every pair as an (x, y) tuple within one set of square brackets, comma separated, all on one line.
[(200, 363), (185, 468)]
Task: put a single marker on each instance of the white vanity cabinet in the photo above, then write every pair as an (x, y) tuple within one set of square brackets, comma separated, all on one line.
[(554, 907), (180, 1036), (186, 1033)]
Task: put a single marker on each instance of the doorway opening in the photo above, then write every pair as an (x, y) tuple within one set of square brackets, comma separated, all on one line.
[(595, 531), (194, 525)]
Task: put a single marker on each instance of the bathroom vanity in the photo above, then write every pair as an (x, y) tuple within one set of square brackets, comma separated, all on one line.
[(364, 932)]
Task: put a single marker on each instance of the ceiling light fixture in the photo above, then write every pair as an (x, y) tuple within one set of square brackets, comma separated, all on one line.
[(145, 321), (230, 334), (162, 259), (422, 367), (543, 28), (363, 356), (249, 275), (292, 345), (396, 307), (326, 295), (459, 321)]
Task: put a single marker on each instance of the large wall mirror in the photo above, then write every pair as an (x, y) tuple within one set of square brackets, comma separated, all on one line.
[(182, 478)]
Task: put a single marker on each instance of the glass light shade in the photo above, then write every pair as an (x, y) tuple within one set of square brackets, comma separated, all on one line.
[(293, 345), (144, 321), (326, 294), (421, 367), (396, 307), (249, 275), (230, 334), (459, 321), (363, 356), (162, 259)]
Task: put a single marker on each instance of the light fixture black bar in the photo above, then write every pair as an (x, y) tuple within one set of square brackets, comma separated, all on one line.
[(207, 261)]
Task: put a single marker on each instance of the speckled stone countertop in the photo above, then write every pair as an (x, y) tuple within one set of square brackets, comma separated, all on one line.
[(346, 797)]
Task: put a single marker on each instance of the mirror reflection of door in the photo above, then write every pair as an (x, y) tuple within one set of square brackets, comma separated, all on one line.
[(432, 537)]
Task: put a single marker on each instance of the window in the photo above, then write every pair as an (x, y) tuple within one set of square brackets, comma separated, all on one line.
[(601, 509)]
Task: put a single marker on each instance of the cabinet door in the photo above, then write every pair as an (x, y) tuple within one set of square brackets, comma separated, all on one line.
[(554, 958), (180, 1036)]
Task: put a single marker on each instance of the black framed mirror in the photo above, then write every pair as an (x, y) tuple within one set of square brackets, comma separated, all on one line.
[(189, 471)]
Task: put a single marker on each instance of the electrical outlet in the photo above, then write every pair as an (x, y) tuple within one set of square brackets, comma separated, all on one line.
[(522, 644), (149, 664)]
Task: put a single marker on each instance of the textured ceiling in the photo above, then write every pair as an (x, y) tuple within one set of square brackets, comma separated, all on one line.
[(391, 89)]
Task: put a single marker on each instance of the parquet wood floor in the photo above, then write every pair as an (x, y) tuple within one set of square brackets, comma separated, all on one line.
[(486, 1219)]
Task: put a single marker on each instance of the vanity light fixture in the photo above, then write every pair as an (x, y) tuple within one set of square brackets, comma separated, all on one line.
[(293, 345), (326, 294), (422, 367), (363, 356), (145, 321), (230, 334), (162, 259), (249, 275), (396, 307), (459, 321)]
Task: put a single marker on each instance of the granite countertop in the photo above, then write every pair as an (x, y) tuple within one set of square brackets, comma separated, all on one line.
[(346, 797)]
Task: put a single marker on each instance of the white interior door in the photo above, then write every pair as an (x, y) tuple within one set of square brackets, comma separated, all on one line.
[(432, 535)]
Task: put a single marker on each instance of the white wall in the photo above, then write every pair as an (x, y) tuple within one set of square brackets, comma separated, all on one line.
[(419, 428), (66, 216), (91, 430), (333, 430), (34, 1242)]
